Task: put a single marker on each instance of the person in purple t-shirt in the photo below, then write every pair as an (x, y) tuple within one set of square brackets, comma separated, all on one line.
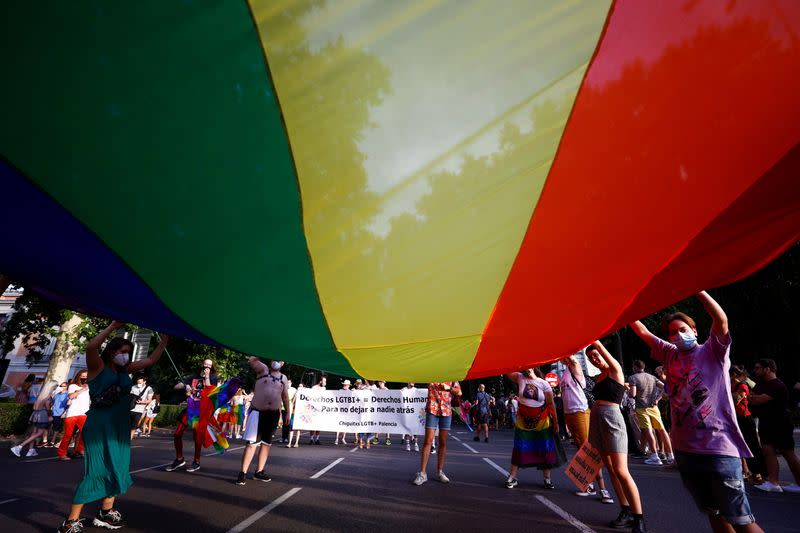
[(705, 436)]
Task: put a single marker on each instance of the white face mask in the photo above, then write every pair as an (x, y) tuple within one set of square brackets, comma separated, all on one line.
[(121, 359), (685, 341)]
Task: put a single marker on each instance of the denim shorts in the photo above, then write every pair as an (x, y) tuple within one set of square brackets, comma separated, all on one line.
[(442, 423), (715, 482)]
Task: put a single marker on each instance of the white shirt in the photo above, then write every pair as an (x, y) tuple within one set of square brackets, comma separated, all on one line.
[(136, 390), (79, 404), (532, 391), (572, 393)]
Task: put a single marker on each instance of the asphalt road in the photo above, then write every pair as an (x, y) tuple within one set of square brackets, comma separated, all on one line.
[(336, 488)]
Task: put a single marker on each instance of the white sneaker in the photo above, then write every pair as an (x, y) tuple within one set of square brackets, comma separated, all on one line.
[(768, 486), (443, 478), (16, 450), (670, 460), (433, 451), (793, 488), (653, 460), (605, 497), (590, 491), (31, 453), (408, 446), (416, 447), (420, 478)]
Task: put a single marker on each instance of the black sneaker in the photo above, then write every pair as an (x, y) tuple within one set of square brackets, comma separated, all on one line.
[(262, 476), (476, 439), (511, 482), (194, 468), (111, 519), (486, 439), (638, 526), (316, 441), (71, 526), (548, 483), (241, 479), (176, 464), (623, 521)]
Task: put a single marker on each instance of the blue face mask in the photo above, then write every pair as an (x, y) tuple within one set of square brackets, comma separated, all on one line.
[(684, 341)]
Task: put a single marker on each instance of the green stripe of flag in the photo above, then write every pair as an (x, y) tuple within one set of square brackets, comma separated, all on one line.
[(155, 123)]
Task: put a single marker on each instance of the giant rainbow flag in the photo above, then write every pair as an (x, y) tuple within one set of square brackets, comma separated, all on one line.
[(417, 190)]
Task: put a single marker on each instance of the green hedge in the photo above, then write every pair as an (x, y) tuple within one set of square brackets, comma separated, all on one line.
[(168, 415), (14, 417)]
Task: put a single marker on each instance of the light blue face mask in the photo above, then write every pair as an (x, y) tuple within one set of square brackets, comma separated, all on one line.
[(685, 341)]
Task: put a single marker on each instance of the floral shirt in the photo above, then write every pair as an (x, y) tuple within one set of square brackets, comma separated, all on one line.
[(439, 400)]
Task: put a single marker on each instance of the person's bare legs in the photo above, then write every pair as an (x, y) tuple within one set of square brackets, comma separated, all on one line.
[(621, 478), (75, 511), (247, 457), (649, 438), (442, 449), (667, 442), (35, 434), (263, 455), (720, 525), (601, 484), (426, 450), (623, 501), (771, 462), (793, 462)]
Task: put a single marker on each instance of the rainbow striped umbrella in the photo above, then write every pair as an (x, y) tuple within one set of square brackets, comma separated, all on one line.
[(406, 190)]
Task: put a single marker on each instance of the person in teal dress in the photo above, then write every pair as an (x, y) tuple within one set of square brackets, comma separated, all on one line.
[(106, 434)]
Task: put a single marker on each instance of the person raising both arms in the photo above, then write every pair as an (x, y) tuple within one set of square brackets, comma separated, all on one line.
[(608, 435), (207, 377), (536, 442), (107, 431), (438, 416), (705, 436), (269, 393)]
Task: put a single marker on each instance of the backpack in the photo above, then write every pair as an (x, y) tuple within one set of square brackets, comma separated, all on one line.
[(157, 408)]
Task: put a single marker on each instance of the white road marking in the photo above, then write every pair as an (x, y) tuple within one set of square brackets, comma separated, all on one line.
[(470, 448), (496, 466), (547, 503), (354, 449), (580, 526), (9, 501), (56, 457), (336, 462), (149, 468), (241, 526), (459, 440), (167, 464)]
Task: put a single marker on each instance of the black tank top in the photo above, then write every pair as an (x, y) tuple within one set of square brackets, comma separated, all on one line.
[(608, 390)]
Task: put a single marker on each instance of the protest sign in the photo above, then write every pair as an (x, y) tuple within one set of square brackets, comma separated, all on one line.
[(585, 465), (361, 411)]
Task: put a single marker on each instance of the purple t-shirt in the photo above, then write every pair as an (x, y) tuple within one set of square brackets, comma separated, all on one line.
[(703, 414)]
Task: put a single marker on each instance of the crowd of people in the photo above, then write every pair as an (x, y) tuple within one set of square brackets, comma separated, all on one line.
[(696, 413)]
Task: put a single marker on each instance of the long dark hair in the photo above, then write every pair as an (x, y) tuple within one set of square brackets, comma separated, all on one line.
[(112, 347)]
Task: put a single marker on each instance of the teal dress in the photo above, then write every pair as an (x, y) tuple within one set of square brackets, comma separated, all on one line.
[(107, 443)]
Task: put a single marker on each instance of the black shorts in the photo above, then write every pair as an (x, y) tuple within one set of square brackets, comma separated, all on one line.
[(779, 434), (482, 418), (58, 423), (135, 417), (265, 428)]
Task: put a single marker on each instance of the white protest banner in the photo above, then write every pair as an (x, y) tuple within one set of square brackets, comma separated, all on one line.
[(583, 468), (361, 411)]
